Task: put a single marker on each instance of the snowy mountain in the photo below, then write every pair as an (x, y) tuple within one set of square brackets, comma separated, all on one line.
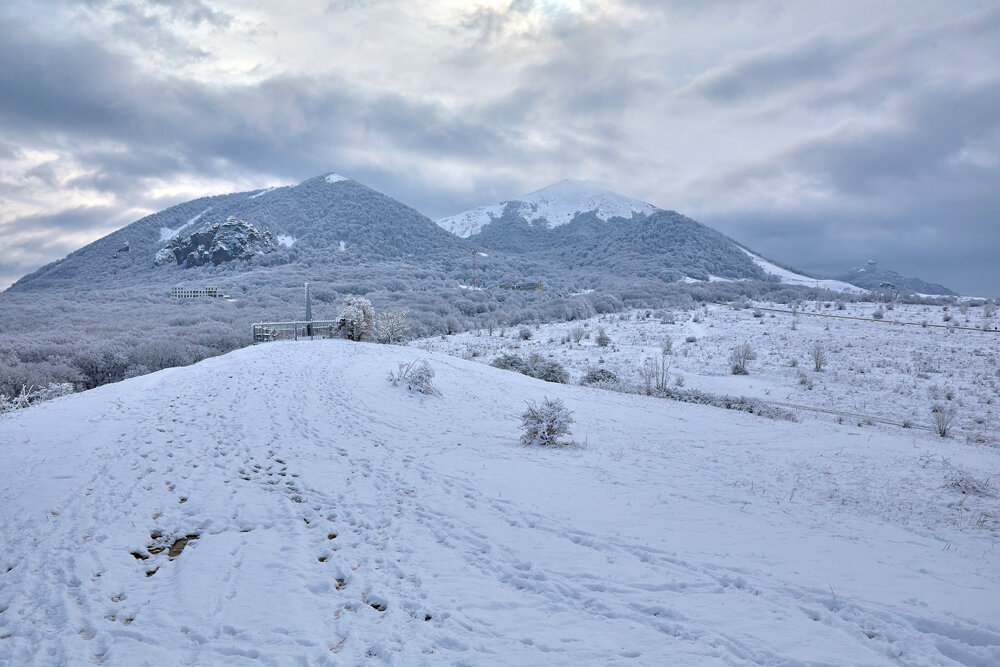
[(588, 231), (585, 229), (285, 504), (550, 207), (873, 277), (327, 219)]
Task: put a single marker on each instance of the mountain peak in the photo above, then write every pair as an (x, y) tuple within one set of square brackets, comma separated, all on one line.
[(554, 205)]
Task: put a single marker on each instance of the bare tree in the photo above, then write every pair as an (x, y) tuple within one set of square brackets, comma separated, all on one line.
[(741, 356), (655, 374), (391, 325), (577, 334), (667, 347), (818, 354)]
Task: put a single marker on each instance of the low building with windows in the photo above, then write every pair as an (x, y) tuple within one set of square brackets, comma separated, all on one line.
[(195, 292)]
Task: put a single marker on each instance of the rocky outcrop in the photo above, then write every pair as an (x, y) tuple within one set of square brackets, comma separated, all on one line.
[(217, 243)]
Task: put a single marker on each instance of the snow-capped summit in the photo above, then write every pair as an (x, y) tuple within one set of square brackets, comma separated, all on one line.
[(556, 205)]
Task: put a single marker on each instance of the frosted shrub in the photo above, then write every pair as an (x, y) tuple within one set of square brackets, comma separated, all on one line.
[(418, 376), (603, 340), (878, 314), (535, 366), (944, 418), (544, 425), (29, 396), (524, 333), (577, 334), (599, 376), (510, 362)]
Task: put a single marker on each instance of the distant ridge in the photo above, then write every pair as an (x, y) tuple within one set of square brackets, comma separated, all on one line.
[(873, 277)]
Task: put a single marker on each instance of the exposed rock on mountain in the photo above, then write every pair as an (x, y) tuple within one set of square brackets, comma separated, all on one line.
[(217, 243)]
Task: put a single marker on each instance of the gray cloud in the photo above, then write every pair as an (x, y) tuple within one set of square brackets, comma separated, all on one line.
[(812, 136)]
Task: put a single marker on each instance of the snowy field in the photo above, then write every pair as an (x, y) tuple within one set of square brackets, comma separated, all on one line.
[(285, 504), (874, 371)]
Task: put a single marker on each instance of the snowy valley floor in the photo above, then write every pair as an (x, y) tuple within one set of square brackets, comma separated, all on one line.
[(285, 504)]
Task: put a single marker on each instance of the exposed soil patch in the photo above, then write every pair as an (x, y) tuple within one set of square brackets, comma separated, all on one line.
[(178, 546)]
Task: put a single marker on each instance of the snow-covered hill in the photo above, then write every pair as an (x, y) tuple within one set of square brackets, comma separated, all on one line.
[(792, 278), (317, 219), (553, 206), (286, 504)]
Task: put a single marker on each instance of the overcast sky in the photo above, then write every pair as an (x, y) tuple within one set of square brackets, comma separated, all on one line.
[(819, 134)]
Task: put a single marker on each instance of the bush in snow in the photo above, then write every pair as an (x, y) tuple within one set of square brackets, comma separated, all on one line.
[(28, 395), (742, 355), (356, 318), (603, 340), (943, 418), (417, 376), (524, 333), (545, 424), (577, 334), (510, 362), (535, 366), (599, 376)]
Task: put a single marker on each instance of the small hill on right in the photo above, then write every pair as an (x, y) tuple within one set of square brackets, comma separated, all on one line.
[(871, 276)]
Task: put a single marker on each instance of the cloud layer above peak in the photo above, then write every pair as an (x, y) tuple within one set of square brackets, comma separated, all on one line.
[(819, 135)]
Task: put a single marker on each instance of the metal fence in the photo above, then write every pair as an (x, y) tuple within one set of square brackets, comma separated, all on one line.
[(265, 332)]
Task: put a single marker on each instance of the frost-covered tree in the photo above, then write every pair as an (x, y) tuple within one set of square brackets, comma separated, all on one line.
[(818, 355), (545, 424), (356, 317), (655, 374), (742, 355), (391, 325)]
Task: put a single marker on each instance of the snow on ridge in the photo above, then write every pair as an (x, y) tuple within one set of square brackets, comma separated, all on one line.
[(792, 278), (557, 204), (285, 240), (336, 178), (261, 193), (166, 233)]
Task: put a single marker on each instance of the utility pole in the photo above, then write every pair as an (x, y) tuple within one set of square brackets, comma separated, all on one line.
[(309, 314)]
